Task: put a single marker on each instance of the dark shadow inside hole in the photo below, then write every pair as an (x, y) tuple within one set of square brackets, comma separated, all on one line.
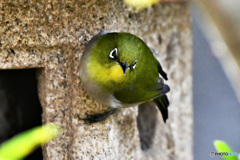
[(20, 108), (146, 123)]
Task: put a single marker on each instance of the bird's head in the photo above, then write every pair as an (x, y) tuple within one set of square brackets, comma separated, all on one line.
[(115, 57)]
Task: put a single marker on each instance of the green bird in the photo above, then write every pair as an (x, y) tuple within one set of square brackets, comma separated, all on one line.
[(119, 70)]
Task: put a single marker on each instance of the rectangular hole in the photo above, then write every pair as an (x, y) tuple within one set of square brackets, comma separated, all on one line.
[(20, 108)]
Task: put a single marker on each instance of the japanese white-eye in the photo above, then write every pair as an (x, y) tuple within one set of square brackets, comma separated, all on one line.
[(119, 70)]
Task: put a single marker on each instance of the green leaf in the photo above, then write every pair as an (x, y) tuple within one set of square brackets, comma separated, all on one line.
[(221, 146), (21, 145)]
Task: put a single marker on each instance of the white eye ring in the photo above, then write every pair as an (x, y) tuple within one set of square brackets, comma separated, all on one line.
[(111, 53), (134, 66)]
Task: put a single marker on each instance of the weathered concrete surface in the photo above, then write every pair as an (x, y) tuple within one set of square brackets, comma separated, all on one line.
[(51, 36)]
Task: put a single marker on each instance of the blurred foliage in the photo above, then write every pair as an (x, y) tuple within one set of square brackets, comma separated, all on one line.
[(141, 4), (222, 146), (21, 145)]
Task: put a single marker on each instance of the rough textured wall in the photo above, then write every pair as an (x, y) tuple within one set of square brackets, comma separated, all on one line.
[(51, 36)]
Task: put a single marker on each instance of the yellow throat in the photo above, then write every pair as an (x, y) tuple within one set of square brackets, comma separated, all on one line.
[(104, 74)]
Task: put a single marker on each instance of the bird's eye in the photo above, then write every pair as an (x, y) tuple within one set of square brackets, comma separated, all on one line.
[(133, 65), (114, 54)]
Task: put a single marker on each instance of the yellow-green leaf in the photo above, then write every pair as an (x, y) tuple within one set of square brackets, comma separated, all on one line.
[(141, 4), (223, 147), (21, 145)]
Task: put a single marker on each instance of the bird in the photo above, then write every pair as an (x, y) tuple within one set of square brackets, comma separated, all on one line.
[(119, 70)]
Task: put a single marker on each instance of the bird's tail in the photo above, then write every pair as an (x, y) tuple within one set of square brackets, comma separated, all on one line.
[(162, 104)]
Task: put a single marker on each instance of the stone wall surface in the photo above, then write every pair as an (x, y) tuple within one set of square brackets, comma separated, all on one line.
[(51, 36)]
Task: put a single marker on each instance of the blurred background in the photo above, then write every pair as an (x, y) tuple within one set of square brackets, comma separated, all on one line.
[(216, 77)]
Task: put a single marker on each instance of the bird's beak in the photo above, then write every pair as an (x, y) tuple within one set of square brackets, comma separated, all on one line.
[(124, 66)]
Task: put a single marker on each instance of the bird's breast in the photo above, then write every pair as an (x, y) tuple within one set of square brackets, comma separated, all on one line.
[(104, 74)]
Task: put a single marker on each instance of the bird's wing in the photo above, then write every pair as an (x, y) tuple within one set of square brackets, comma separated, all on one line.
[(152, 93), (160, 89), (141, 93), (160, 98)]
